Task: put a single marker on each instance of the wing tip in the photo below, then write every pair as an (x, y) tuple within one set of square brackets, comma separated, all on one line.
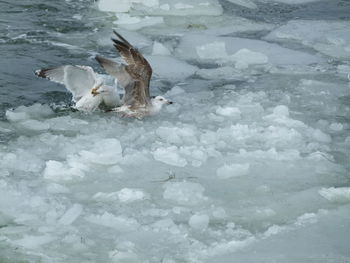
[(41, 73)]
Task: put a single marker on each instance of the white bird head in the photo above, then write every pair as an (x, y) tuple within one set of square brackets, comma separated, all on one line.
[(158, 102)]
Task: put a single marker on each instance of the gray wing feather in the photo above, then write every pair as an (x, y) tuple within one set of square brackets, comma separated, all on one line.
[(79, 80), (116, 70)]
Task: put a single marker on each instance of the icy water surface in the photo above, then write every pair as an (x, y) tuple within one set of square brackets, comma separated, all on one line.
[(250, 164)]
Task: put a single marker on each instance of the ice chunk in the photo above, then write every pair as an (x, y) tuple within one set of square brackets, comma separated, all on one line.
[(120, 223), (34, 242), (123, 5), (169, 155), (54, 188), (214, 50), (112, 6), (336, 195), (130, 195), (245, 3), (170, 68), (185, 193), (296, 2), (321, 136), (328, 37), (118, 256), (208, 47), (229, 112), (177, 135), (166, 225), (105, 151), (233, 170), (160, 49), (227, 73), (135, 23), (58, 171), (245, 57), (181, 8), (35, 125), (336, 126), (71, 215), (35, 111), (199, 221)]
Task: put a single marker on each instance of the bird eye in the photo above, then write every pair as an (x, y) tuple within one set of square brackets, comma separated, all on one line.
[(161, 99)]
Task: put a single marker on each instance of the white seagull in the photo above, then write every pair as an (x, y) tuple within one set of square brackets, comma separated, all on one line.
[(87, 88), (135, 79)]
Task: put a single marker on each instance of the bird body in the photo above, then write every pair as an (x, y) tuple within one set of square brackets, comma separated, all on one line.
[(87, 88)]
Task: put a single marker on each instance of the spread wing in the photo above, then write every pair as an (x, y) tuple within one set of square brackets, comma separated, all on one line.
[(79, 80), (135, 76)]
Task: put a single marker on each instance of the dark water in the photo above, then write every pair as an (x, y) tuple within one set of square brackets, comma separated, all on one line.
[(28, 30)]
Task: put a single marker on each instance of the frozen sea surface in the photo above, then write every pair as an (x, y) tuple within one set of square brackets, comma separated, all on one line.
[(250, 164)]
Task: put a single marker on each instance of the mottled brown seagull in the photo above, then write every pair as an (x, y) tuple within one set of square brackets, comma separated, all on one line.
[(135, 79)]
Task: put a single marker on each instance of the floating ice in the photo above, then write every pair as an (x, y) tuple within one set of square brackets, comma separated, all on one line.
[(58, 171), (119, 223), (135, 23), (232, 170), (169, 155), (105, 151), (336, 195), (195, 46), (33, 242), (130, 195), (160, 49), (71, 215), (331, 38), (181, 8), (170, 68), (229, 112), (199, 221), (185, 193), (244, 3), (245, 57), (24, 113)]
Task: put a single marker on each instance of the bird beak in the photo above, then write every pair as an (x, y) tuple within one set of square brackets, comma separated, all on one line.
[(170, 102)]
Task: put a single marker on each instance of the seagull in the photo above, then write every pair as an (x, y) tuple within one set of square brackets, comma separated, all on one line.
[(135, 79), (87, 88)]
